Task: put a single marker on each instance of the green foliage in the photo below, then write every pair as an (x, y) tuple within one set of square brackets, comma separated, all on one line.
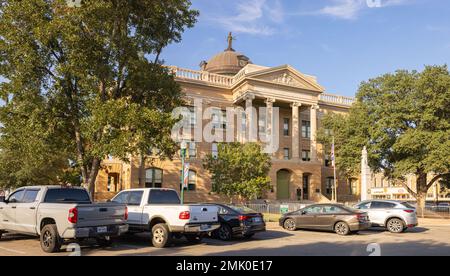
[(240, 170), (92, 78), (404, 120)]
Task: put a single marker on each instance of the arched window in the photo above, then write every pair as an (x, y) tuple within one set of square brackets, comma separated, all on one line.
[(153, 178)]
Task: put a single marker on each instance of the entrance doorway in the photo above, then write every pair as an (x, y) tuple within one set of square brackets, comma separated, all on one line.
[(306, 182), (283, 183)]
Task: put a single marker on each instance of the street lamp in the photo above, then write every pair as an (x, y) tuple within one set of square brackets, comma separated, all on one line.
[(183, 158)]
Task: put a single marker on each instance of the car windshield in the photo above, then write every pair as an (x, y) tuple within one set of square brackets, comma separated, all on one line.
[(67, 195), (242, 209)]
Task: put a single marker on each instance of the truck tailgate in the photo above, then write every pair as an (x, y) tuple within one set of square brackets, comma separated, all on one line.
[(101, 214), (203, 213)]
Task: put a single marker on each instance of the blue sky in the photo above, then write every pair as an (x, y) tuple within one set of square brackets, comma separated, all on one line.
[(342, 42)]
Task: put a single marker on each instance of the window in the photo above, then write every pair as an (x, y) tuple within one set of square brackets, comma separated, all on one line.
[(215, 150), (219, 119), (286, 127), (30, 196), (262, 124), (121, 198), (17, 196), (192, 149), (163, 197), (135, 198), (113, 180), (153, 178), (329, 185), (352, 183), (382, 205), (190, 115), (287, 155), (192, 184), (327, 160), (313, 210), (306, 155), (306, 129), (364, 206), (330, 209), (67, 195)]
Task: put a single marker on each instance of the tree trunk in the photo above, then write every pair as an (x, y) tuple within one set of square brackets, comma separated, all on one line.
[(142, 179), (422, 190), (93, 177)]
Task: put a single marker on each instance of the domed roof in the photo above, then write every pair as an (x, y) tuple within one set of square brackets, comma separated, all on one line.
[(228, 62)]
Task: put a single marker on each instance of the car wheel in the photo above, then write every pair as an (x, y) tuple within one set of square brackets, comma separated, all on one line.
[(161, 236), (105, 241), (50, 240), (225, 233), (194, 238), (342, 228), (290, 225), (395, 225)]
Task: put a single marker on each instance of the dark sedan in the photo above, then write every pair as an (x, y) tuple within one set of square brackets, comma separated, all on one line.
[(238, 221), (329, 217)]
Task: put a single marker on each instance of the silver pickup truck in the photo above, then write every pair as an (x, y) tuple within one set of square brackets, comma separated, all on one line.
[(58, 214)]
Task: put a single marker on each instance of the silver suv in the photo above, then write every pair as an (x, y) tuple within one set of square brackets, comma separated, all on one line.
[(395, 216)]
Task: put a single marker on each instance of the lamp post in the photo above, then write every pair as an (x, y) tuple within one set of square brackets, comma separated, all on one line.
[(183, 158)]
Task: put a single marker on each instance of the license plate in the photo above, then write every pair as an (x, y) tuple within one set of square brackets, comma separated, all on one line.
[(257, 220), (102, 229), (204, 227)]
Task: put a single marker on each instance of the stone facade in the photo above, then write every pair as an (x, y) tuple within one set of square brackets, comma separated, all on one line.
[(299, 170)]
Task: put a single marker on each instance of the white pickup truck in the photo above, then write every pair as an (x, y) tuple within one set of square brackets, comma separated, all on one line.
[(57, 214), (159, 211)]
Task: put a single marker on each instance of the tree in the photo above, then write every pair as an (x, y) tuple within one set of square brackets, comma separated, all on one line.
[(239, 170), (404, 121), (96, 74)]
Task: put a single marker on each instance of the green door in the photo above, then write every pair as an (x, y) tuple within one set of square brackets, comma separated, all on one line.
[(283, 179)]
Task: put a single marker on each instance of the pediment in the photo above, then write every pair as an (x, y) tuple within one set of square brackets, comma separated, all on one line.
[(286, 75)]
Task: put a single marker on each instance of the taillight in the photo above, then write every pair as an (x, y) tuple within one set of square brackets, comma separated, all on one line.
[(409, 211), (126, 213), (243, 218), (185, 215), (73, 215)]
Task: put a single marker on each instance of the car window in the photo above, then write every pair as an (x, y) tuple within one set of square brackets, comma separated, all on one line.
[(17, 196), (121, 198), (333, 210), (30, 196), (382, 205), (163, 197), (242, 209), (67, 195), (223, 211), (407, 205), (313, 210), (135, 198), (364, 206)]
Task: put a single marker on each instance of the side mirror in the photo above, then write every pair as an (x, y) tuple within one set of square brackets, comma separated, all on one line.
[(304, 213)]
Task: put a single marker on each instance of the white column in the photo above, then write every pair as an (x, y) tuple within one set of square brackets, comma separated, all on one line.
[(314, 109), (295, 131), (251, 115), (365, 175)]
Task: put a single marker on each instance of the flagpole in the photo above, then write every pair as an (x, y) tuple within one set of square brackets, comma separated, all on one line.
[(334, 172)]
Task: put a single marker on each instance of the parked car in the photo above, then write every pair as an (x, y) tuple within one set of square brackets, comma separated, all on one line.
[(330, 217), (58, 214), (159, 211), (395, 216), (238, 221), (443, 207)]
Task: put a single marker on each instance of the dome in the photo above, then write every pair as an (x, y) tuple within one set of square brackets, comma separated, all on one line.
[(228, 62)]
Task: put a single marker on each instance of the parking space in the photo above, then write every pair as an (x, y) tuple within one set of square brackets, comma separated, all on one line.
[(431, 238)]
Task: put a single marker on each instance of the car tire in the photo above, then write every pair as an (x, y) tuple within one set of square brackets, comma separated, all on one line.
[(290, 225), (341, 228), (194, 238), (224, 233), (50, 240), (161, 236), (395, 225), (105, 241)]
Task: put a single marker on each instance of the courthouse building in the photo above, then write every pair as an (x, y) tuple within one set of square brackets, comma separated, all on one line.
[(301, 169)]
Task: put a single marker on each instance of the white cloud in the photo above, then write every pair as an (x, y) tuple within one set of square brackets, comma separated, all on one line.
[(351, 9), (257, 17)]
